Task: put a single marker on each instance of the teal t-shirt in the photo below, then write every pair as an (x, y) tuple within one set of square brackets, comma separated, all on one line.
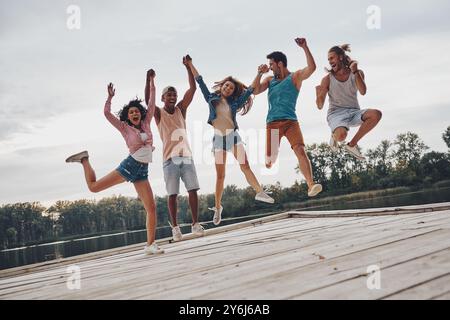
[(282, 99)]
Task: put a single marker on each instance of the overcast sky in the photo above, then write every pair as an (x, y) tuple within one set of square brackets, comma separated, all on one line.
[(53, 79)]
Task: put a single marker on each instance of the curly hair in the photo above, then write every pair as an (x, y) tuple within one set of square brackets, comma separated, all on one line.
[(123, 113), (239, 89), (341, 51)]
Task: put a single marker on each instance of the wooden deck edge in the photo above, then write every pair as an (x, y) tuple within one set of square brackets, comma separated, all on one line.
[(289, 214), (134, 247), (371, 212)]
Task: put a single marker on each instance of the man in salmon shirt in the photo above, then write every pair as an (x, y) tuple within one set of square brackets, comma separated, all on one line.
[(178, 162)]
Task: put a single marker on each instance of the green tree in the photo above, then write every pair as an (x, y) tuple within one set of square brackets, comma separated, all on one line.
[(409, 149), (446, 136)]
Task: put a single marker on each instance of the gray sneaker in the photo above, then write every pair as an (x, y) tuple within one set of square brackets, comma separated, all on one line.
[(217, 215), (334, 145), (315, 190), (198, 230), (264, 197), (78, 157), (152, 249), (176, 234), (354, 151)]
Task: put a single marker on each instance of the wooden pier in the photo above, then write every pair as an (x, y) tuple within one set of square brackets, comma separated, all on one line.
[(292, 255)]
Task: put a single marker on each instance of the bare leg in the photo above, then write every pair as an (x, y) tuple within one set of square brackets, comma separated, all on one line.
[(220, 158), (193, 203), (241, 157), (145, 193), (340, 134), (304, 164), (106, 182), (371, 118), (173, 208)]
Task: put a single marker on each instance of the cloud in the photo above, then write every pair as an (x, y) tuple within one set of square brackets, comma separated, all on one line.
[(52, 80)]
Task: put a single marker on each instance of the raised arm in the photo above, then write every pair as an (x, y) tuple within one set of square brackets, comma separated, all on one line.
[(107, 109), (306, 72), (150, 94), (359, 77), (259, 86), (199, 80), (189, 95), (321, 92)]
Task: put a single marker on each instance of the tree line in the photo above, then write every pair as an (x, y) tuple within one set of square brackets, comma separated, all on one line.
[(405, 161)]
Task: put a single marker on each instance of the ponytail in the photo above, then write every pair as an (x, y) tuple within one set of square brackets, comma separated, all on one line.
[(341, 52)]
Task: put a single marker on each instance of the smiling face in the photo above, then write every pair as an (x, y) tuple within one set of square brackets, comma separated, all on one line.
[(275, 67), (335, 61), (227, 89), (134, 116), (170, 98)]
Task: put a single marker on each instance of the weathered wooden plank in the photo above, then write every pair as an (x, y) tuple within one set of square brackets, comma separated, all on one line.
[(430, 289), (393, 279), (270, 248), (315, 259)]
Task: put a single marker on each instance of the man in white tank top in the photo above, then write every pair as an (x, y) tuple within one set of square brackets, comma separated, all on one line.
[(178, 162), (342, 85)]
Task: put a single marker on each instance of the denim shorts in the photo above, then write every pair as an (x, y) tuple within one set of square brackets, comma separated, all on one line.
[(345, 117), (226, 143), (133, 170), (178, 168)]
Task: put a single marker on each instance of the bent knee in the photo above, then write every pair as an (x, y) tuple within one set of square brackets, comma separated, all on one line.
[(378, 114), (94, 189), (374, 114), (300, 150), (340, 134)]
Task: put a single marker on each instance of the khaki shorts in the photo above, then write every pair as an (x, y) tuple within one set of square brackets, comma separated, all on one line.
[(276, 130)]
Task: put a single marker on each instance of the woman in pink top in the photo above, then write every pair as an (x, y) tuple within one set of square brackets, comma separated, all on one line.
[(134, 125)]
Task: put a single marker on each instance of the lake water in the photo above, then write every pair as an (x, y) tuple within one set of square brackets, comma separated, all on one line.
[(40, 253)]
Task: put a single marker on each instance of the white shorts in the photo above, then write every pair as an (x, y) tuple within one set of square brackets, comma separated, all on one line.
[(345, 117)]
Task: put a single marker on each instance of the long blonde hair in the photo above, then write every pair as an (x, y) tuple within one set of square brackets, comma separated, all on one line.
[(239, 89), (341, 51)]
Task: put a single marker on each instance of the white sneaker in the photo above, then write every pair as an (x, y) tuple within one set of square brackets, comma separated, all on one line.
[(264, 197), (77, 157), (198, 229), (176, 234), (315, 190), (217, 215), (354, 152), (334, 145), (152, 249)]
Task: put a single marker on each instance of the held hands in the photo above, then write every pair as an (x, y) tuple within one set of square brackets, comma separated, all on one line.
[(151, 75), (301, 42), (263, 69), (111, 91), (187, 60)]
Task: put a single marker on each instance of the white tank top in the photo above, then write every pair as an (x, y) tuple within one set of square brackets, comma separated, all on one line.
[(145, 153), (343, 94)]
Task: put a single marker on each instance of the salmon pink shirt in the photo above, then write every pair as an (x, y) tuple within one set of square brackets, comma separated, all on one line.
[(132, 135)]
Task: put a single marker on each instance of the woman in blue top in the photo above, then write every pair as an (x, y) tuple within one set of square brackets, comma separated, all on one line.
[(229, 97)]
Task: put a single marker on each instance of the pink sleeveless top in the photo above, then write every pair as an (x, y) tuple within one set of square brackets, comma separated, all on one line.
[(172, 129)]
